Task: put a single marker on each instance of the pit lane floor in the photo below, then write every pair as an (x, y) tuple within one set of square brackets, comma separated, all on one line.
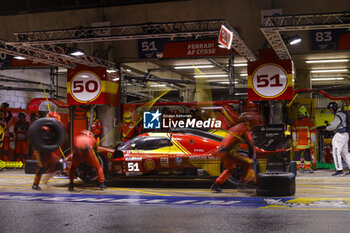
[(322, 203)]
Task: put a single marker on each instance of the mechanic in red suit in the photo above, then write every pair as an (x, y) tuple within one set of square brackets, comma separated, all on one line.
[(237, 135), (128, 128), (2, 135), (47, 161), (6, 117), (84, 144), (96, 126), (21, 138)]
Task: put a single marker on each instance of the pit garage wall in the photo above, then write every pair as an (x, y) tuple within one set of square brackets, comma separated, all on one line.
[(20, 98)]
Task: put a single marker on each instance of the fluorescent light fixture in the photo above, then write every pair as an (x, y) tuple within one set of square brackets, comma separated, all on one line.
[(327, 61), (227, 82), (329, 71), (211, 76), (157, 85), (111, 70), (241, 93), (243, 75), (240, 64), (19, 58), (326, 79), (193, 67)]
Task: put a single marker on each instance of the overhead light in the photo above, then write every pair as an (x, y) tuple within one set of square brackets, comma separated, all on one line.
[(326, 79), (241, 93), (295, 41), (193, 67), (76, 52), (211, 76), (240, 64), (329, 71), (157, 85), (291, 40), (327, 61), (19, 58), (227, 82), (243, 75), (111, 70)]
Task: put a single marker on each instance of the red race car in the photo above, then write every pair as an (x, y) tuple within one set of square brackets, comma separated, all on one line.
[(186, 153)]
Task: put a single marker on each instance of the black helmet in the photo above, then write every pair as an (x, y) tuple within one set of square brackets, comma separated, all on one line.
[(22, 115), (333, 105)]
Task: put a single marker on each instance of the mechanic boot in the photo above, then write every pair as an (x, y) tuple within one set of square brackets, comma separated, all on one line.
[(348, 173), (71, 186), (102, 186), (36, 187), (338, 173), (216, 188)]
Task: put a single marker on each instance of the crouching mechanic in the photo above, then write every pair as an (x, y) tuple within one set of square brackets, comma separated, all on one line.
[(340, 139), (84, 145), (227, 152)]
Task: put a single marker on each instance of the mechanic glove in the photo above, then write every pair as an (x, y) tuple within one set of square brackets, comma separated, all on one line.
[(312, 144), (295, 143)]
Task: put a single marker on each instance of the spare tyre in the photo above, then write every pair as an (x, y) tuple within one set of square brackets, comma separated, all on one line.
[(46, 134), (276, 184)]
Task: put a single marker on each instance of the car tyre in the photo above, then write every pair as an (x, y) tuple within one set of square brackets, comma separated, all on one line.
[(276, 184), (41, 140)]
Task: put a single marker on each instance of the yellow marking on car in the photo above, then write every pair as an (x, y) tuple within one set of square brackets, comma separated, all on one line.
[(181, 147)]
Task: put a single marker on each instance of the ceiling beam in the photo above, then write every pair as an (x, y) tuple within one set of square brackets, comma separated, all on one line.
[(273, 25)]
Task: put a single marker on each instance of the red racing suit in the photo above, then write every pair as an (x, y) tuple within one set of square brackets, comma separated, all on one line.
[(96, 128), (47, 162), (238, 135), (127, 131), (21, 136), (84, 152)]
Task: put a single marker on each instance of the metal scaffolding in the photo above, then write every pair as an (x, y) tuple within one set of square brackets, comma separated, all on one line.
[(273, 25), (201, 28)]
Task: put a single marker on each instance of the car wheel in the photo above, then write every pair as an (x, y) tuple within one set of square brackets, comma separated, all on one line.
[(87, 173), (46, 140), (276, 184), (237, 172), (292, 167)]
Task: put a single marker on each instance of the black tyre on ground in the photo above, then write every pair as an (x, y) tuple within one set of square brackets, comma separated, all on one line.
[(46, 140), (276, 184), (292, 167), (31, 166)]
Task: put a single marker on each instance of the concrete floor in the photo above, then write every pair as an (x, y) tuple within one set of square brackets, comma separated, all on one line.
[(321, 204)]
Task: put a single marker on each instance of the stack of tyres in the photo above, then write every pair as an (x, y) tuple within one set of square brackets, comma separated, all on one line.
[(276, 184)]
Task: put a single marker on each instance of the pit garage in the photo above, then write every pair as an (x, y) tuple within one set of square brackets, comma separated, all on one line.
[(161, 85)]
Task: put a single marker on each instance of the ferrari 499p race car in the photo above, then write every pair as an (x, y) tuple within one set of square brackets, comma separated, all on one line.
[(188, 153)]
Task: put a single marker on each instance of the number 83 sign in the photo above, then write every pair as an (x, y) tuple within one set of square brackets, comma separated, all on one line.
[(269, 81)]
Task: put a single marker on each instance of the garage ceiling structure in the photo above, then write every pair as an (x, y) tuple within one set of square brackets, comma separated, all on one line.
[(146, 76)]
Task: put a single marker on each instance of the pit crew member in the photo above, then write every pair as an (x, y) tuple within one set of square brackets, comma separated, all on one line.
[(84, 144), (340, 139), (303, 134), (227, 151)]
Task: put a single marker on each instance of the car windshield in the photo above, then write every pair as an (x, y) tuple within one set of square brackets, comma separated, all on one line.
[(146, 143)]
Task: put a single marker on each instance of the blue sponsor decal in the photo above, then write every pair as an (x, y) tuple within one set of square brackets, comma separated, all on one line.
[(207, 202), (151, 120), (178, 161)]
